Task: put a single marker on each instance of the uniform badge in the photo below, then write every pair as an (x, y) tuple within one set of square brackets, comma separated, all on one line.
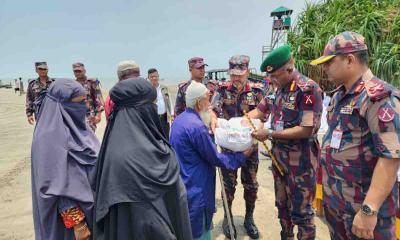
[(291, 98), (289, 105), (377, 87), (348, 109), (386, 114), (249, 96), (308, 99), (271, 96)]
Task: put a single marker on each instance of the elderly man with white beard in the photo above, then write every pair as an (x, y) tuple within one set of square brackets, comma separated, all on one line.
[(198, 157)]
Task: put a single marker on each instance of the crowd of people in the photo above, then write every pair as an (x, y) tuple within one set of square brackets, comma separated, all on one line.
[(154, 174)]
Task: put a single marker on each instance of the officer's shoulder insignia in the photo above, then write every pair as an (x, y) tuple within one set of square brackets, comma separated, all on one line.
[(377, 90), (257, 86), (256, 89), (305, 85), (182, 84), (52, 79), (224, 85), (30, 81), (386, 114)]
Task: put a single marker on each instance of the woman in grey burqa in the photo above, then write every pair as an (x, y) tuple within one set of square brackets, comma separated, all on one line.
[(140, 194), (64, 154)]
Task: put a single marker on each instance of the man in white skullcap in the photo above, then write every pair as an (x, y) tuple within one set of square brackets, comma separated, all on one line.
[(198, 157), (125, 70)]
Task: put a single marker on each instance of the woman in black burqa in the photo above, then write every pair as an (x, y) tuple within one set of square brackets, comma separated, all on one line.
[(140, 194)]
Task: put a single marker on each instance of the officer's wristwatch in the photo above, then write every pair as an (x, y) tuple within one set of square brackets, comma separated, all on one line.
[(367, 210), (269, 134)]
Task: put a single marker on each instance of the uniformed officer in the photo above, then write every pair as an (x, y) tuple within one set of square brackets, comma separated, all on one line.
[(361, 149), (36, 91), (94, 98), (197, 71), (295, 111), (230, 101)]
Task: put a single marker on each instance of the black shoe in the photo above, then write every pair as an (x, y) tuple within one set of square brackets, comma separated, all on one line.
[(251, 227), (225, 228), (285, 236)]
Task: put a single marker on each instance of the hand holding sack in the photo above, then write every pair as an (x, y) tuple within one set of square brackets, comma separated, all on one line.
[(235, 134)]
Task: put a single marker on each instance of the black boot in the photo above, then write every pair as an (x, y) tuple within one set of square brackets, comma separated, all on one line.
[(225, 226), (249, 224), (285, 236), (287, 230)]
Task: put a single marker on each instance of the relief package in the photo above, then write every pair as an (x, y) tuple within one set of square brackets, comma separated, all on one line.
[(235, 134)]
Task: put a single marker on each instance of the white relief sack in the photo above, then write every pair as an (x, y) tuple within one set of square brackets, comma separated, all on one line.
[(235, 134)]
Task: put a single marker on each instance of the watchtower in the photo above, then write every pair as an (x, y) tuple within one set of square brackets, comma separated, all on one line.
[(281, 24)]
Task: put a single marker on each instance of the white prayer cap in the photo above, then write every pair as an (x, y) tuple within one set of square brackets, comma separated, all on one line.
[(194, 92)]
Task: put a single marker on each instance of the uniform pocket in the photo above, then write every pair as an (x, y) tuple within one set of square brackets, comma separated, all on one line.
[(345, 176), (290, 117)]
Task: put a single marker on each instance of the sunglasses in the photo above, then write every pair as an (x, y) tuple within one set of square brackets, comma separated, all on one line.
[(238, 66), (42, 69)]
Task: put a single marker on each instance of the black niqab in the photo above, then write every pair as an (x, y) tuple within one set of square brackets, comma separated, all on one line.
[(136, 162)]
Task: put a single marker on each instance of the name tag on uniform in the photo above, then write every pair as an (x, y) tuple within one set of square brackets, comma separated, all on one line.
[(279, 125), (347, 110), (336, 138)]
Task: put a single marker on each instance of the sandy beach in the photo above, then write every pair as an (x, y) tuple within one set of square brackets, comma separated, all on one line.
[(15, 187)]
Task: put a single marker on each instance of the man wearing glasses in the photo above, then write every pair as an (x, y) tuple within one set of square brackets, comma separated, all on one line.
[(36, 90), (94, 98), (230, 101)]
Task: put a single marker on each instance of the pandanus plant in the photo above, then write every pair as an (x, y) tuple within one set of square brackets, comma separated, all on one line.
[(377, 20)]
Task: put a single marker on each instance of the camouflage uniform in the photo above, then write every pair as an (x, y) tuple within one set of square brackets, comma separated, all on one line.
[(94, 99), (368, 116), (34, 95), (228, 103), (298, 104), (364, 125), (180, 103)]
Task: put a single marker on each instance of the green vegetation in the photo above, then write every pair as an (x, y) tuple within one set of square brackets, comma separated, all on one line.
[(377, 20)]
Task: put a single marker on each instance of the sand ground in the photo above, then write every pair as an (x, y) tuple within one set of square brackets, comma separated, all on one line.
[(15, 187)]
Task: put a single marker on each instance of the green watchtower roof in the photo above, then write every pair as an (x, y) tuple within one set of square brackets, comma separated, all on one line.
[(281, 11)]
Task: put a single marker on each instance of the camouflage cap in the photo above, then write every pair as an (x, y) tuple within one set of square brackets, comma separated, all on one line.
[(41, 65), (238, 64), (345, 42), (78, 66), (196, 62)]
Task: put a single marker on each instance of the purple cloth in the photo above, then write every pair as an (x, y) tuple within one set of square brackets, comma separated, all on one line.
[(64, 155)]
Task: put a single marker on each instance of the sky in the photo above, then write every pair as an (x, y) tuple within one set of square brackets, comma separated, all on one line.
[(163, 34)]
